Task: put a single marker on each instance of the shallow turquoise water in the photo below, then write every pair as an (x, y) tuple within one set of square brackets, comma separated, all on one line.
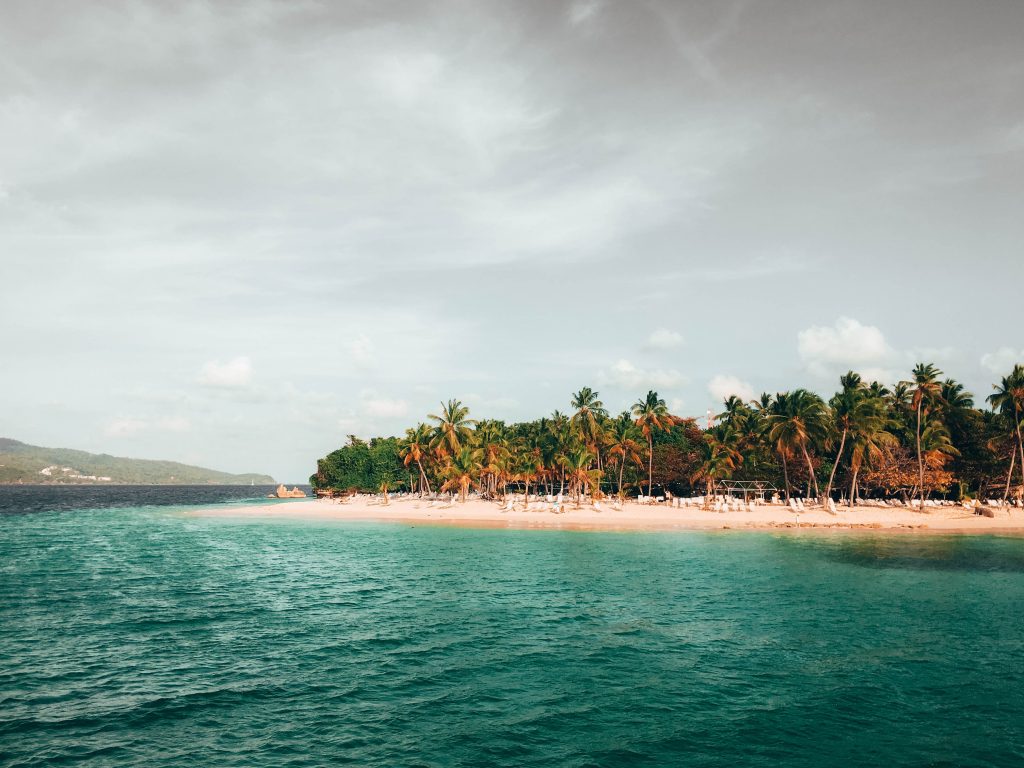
[(146, 637)]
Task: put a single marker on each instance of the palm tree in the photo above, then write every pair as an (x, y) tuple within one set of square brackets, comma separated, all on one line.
[(588, 418), (577, 465), (719, 458), (735, 409), (462, 470), (453, 428), (490, 438), (624, 446), (799, 421), (651, 415), (1008, 399), (414, 448), (924, 390), (527, 465), (844, 404), (869, 437)]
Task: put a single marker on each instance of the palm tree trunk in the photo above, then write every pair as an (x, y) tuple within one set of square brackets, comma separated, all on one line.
[(650, 465), (832, 475), (853, 488), (920, 458), (1009, 475), (1020, 445), (424, 476), (622, 467), (785, 475), (810, 469)]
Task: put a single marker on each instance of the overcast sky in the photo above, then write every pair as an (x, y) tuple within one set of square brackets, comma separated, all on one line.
[(233, 233)]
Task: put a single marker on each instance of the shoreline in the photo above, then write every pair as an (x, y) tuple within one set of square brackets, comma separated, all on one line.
[(633, 516)]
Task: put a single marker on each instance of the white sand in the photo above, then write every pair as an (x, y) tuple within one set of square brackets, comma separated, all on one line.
[(633, 516)]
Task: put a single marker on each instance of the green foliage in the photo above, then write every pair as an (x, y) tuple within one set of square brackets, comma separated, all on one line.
[(923, 436), (363, 466)]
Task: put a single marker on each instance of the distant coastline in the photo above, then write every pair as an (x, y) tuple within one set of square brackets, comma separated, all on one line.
[(24, 464)]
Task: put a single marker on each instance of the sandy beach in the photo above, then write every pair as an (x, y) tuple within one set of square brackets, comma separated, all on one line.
[(633, 516)]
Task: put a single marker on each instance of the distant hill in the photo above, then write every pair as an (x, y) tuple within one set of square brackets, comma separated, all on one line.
[(23, 463)]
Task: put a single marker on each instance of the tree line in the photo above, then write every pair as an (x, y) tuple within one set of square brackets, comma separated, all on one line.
[(922, 438)]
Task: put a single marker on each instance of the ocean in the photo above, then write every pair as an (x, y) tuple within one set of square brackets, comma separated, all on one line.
[(135, 634)]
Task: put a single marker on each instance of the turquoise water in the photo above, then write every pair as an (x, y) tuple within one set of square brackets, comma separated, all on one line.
[(145, 637)]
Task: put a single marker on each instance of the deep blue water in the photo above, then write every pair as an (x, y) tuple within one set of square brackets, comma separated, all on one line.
[(143, 636)]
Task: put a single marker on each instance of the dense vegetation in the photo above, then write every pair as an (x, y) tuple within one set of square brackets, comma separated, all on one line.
[(922, 438), (22, 463)]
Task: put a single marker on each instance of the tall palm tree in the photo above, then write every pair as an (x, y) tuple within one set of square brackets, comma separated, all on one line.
[(651, 415), (924, 390), (800, 421), (462, 470), (490, 438), (588, 418), (454, 428), (1008, 399), (844, 404), (414, 448), (623, 434)]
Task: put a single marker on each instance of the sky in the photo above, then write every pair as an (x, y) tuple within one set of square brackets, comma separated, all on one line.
[(232, 234)]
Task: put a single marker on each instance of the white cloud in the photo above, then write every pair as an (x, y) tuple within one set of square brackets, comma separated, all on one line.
[(724, 385), (831, 350), (1002, 360), (676, 405), (125, 427), (382, 407), (625, 375), (663, 338), (233, 374)]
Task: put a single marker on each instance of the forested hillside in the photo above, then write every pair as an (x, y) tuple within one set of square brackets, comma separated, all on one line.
[(23, 463)]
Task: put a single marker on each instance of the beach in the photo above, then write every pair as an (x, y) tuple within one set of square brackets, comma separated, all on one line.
[(632, 516)]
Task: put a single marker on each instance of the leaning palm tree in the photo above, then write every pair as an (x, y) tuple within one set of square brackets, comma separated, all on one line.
[(588, 418), (800, 421), (844, 405), (924, 390), (625, 446), (453, 429), (651, 415), (1008, 399), (414, 448), (462, 470)]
